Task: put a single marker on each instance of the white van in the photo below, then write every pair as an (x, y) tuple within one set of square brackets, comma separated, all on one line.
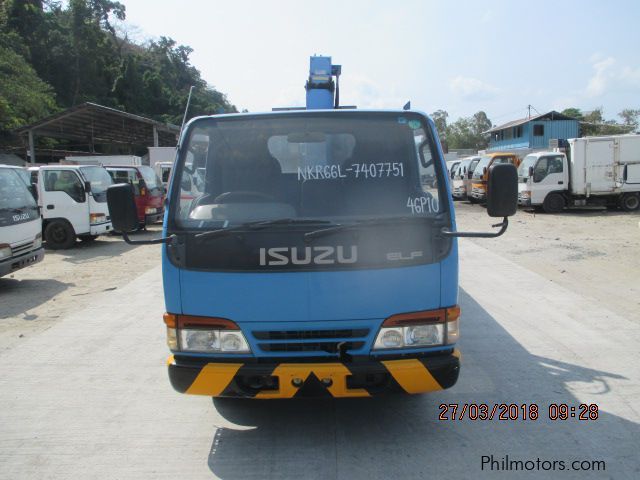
[(20, 225), (73, 199)]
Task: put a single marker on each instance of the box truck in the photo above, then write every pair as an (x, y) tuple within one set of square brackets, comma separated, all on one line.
[(595, 171)]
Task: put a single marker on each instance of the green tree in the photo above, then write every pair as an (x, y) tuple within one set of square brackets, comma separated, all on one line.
[(469, 132), (24, 98), (573, 113), (630, 117)]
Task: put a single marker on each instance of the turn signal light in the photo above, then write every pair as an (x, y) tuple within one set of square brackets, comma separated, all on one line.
[(191, 321)]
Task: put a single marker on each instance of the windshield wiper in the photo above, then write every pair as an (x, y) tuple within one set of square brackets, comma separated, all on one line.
[(372, 221), (257, 225)]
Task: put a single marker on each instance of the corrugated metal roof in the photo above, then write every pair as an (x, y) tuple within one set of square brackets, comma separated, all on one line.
[(552, 115), (100, 124)]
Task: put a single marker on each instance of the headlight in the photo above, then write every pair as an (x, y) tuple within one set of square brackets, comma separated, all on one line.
[(5, 251), (204, 335), (37, 243), (419, 329), (97, 218), (150, 210)]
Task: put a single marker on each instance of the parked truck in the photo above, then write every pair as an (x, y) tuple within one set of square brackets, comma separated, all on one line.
[(313, 258), (480, 176), (595, 171), (148, 189), (73, 201), (20, 224)]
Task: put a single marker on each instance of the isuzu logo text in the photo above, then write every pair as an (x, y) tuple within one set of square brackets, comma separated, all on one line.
[(279, 256)]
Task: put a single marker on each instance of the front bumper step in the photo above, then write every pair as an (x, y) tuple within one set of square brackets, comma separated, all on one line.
[(288, 380)]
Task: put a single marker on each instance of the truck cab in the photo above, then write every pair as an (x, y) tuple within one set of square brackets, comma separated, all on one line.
[(147, 187), (458, 176), (481, 173), (20, 224), (540, 174), (163, 171), (73, 201), (311, 252)]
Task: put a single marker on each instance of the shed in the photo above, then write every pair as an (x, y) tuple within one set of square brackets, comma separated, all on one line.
[(94, 124)]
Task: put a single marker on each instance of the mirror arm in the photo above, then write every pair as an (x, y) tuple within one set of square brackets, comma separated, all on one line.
[(503, 228), (170, 239)]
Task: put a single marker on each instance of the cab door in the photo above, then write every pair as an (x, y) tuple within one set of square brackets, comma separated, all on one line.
[(549, 175), (64, 196)]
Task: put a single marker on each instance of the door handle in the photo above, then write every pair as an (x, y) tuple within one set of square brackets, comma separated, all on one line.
[(560, 182), (50, 207)]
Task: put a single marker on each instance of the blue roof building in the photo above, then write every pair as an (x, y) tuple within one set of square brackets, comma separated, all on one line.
[(532, 133)]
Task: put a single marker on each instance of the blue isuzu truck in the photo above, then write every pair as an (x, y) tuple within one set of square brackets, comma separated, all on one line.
[(312, 251)]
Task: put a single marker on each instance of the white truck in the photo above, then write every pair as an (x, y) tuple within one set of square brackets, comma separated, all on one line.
[(161, 160), (20, 225), (596, 171), (73, 201)]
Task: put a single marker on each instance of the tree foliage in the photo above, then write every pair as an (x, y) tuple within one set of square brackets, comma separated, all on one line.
[(70, 54), (468, 132)]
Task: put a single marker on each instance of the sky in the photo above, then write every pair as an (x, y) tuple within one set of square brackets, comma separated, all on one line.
[(458, 56)]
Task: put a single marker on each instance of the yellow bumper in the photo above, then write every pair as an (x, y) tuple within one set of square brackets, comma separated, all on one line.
[(288, 380)]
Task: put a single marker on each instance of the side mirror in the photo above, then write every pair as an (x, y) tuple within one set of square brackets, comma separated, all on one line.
[(502, 190), (87, 187), (484, 170), (122, 207), (531, 171)]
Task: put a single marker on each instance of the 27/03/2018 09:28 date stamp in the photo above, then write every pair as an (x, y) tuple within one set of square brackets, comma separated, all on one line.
[(514, 411)]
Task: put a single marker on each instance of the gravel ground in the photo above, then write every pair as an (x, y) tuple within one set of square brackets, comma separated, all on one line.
[(591, 252), (34, 298)]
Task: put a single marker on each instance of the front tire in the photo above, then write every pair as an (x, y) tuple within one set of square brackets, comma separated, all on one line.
[(59, 235), (630, 202), (553, 203)]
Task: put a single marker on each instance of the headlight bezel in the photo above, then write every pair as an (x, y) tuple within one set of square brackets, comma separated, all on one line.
[(441, 325), (182, 328), (4, 248)]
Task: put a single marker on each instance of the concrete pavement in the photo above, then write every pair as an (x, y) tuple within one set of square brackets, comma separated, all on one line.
[(90, 397)]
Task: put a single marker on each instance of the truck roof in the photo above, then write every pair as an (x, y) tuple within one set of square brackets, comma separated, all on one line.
[(546, 152)]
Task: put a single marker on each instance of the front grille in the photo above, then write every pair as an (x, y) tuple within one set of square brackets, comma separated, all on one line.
[(327, 347), (330, 341), (22, 248)]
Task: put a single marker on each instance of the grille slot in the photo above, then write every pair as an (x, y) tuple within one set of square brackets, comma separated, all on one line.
[(25, 247), (327, 347), (308, 334)]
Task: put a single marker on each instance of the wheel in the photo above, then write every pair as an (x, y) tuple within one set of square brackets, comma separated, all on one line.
[(553, 203), (630, 202), (472, 200), (87, 238), (59, 235)]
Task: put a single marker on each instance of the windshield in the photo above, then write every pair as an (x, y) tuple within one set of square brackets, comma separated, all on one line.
[(99, 179), (482, 163), (17, 204), (334, 168), (151, 180), (473, 164), (523, 169), (362, 188)]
